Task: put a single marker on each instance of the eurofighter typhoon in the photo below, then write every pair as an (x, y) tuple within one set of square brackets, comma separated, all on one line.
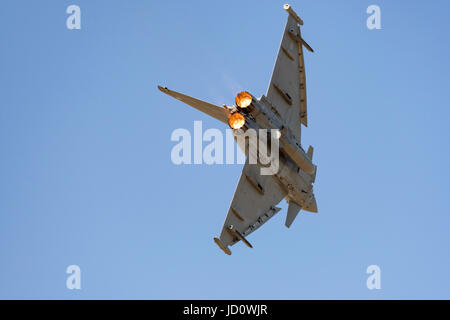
[(282, 110)]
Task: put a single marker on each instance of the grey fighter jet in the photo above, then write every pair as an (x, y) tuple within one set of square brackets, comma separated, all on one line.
[(283, 108)]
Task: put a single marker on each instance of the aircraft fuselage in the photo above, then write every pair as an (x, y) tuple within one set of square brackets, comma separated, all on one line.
[(295, 171)]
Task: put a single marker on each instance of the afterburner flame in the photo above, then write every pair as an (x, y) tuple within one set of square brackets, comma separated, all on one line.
[(236, 120), (243, 99)]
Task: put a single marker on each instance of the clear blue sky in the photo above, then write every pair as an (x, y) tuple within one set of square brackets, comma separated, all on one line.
[(86, 176)]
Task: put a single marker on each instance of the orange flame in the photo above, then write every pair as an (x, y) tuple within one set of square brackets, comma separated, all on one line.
[(243, 99), (236, 120)]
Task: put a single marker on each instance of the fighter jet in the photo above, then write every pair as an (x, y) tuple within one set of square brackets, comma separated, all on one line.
[(282, 108)]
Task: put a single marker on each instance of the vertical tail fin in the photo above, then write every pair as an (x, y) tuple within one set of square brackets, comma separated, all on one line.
[(292, 213)]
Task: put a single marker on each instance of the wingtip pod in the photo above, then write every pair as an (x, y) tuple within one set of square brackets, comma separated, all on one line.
[(222, 246), (294, 15), (163, 89)]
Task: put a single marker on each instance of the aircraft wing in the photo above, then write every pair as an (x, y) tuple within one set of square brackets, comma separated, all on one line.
[(287, 87), (203, 106), (253, 204)]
